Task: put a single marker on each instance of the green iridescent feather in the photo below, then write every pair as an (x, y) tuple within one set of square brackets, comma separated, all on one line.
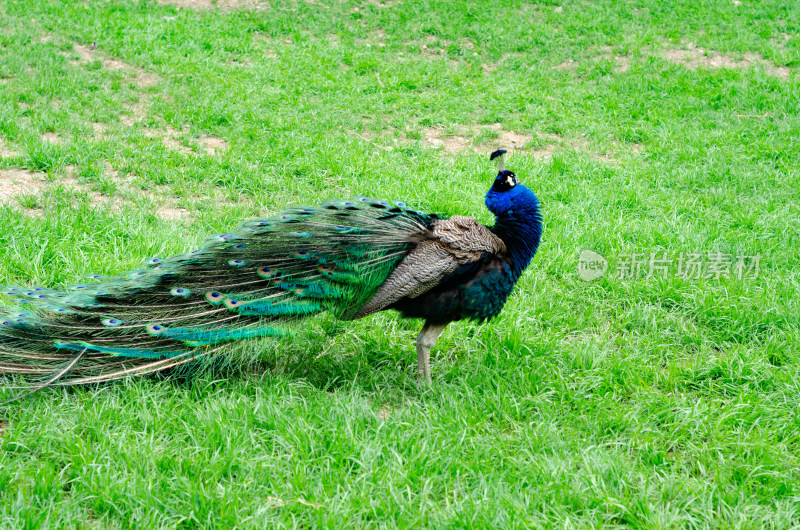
[(253, 282)]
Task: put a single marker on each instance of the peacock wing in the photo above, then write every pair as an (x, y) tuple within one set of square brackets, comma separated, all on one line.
[(449, 244)]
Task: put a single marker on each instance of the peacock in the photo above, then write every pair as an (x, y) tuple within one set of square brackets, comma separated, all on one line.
[(350, 258)]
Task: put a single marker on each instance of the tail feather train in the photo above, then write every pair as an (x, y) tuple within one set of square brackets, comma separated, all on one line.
[(253, 282)]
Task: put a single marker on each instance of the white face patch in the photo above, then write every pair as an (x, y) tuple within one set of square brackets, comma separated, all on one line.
[(510, 181)]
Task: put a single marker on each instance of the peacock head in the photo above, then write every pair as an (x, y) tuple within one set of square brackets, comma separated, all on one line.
[(507, 195)]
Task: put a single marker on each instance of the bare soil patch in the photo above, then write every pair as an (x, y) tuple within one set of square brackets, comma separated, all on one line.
[(165, 203), (189, 4), (88, 54), (437, 137), (541, 145), (212, 145), (689, 55), (621, 62), (617, 148), (431, 46), (100, 131), (138, 76), (223, 4), (694, 57), (52, 138), (568, 64), (170, 137), (135, 112), (491, 67), (169, 212), (174, 145), (383, 4), (144, 79), (480, 138), (376, 38), (15, 182), (95, 197)]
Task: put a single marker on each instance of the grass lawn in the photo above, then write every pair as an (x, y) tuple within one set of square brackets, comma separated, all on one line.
[(131, 129)]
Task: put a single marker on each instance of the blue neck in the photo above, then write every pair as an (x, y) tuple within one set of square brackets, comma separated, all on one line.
[(521, 230)]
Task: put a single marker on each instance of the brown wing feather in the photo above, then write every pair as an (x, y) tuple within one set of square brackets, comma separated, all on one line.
[(450, 243)]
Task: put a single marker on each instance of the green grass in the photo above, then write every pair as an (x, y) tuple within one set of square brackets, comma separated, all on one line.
[(647, 403)]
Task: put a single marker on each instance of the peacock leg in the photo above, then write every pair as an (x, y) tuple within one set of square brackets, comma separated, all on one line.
[(425, 341)]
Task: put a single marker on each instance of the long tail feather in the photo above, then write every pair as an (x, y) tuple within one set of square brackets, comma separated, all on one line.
[(254, 282), (47, 384)]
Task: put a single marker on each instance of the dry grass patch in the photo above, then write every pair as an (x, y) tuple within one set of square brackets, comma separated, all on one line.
[(694, 57), (3, 427)]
